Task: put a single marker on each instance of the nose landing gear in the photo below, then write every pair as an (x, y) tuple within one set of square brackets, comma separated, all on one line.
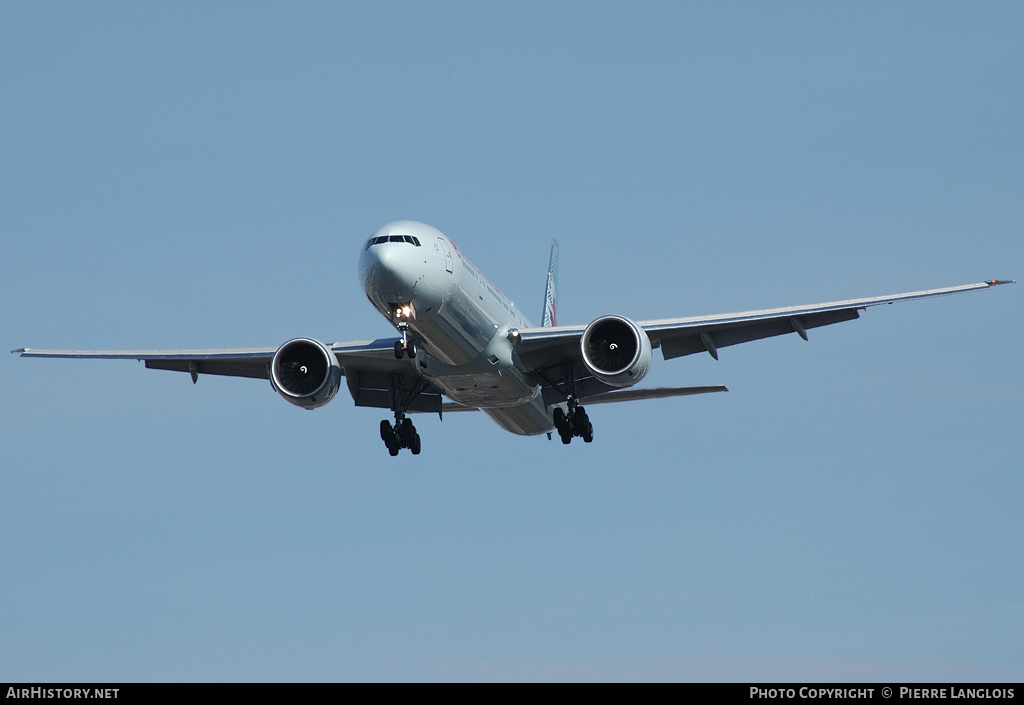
[(406, 347), (400, 316)]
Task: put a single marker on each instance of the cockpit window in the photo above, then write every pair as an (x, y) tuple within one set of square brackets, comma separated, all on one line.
[(408, 239)]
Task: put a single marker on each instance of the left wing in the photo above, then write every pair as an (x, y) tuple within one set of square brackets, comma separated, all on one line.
[(548, 350), (241, 362), (370, 368), (374, 355)]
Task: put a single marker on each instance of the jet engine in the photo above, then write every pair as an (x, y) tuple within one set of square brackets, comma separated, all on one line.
[(305, 373), (616, 350)]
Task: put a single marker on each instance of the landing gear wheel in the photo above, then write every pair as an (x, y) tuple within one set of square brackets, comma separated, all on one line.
[(580, 418), (405, 348), (390, 438), (401, 435), (559, 418), (406, 432), (574, 423)]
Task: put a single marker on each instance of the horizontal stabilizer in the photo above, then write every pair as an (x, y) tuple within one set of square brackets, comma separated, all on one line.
[(622, 396), (656, 393), (449, 406)]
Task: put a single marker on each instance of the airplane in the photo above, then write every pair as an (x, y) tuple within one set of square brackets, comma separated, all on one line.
[(462, 340)]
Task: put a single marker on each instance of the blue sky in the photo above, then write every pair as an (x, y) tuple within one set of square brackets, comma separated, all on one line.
[(204, 176)]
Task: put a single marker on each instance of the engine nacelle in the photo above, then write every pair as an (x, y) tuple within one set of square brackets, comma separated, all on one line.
[(305, 373), (616, 350)]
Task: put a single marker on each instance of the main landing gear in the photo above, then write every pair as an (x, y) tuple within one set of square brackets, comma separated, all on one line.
[(401, 435), (573, 420), (573, 423)]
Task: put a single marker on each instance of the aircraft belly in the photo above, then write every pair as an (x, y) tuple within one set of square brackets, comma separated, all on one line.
[(455, 328), (497, 389), (443, 342), (467, 325)]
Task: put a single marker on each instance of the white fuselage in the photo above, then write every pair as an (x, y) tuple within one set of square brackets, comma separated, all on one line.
[(417, 278)]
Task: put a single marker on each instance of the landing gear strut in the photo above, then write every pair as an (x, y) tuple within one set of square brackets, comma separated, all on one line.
[(574, 423)]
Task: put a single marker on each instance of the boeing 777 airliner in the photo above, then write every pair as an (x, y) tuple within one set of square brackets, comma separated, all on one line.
[(461, 338)]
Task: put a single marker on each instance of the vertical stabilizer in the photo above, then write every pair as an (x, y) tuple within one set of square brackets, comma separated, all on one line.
[(550, 293)]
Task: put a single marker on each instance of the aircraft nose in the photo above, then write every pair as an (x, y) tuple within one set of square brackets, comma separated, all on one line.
[(389, 272)]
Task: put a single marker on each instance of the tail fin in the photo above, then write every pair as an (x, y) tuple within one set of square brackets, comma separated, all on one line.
[(550, 293)]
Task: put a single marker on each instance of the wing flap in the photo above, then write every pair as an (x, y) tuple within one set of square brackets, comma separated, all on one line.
[(377, 389), (374, 355), (255, 368)]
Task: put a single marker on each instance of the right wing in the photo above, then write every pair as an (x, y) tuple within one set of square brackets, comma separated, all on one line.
[(685, 336), (544, 347), (552, 352)]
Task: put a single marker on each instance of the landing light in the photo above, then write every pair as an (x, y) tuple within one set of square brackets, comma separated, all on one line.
[(402, 312)]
